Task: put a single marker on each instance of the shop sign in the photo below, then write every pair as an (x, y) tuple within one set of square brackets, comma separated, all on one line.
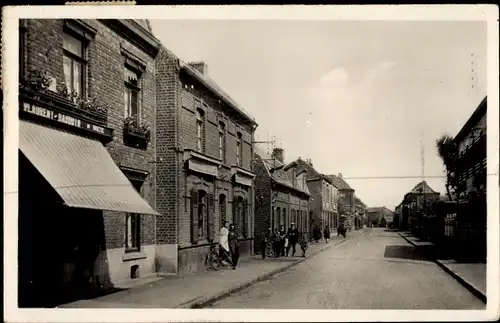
[(63, 118), (242, 180), (200, 167)]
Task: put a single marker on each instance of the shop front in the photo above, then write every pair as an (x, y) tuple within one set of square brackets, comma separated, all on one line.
[(67, 179)]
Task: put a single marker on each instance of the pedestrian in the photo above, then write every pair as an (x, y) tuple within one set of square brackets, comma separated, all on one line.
[(303, 245), (282, 233), (317, 233), (265, 242), (234, 245), (224, 243), (276, 242), (293, 236), (326, 233)]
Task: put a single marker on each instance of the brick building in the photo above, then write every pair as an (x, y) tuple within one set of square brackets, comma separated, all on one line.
[(361, 216), (346, 201), (204, 173), (324, 196), (86, 157), (281, 195)]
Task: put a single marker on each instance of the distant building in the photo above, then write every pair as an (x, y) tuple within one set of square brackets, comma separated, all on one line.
[(471, 164), (361, 216), (323, 201), (281, 195), (379, 216), (418, 203), (346, 201)]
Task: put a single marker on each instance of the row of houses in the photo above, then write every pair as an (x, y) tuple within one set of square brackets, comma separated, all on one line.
[(456, 221), (131, 159), (296, 192)]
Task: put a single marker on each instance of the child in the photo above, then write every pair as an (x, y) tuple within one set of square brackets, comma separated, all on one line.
[(303, 244)]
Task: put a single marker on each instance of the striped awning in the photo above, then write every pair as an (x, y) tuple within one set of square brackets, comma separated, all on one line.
[(80, 170)]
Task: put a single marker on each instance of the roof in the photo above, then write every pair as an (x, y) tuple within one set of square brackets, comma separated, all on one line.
[(423, 187), (212, 86), (339, 183), (275, 170), (144, 23), (357, 200), (379, 209), (474, 118)]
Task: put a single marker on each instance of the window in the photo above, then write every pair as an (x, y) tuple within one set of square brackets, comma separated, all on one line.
[(222, 209), (133, 225), (131, 80), (202, 208), (239, 147), (222, 142), (278, 218), (74, 64), (200, 130), (283, 218)]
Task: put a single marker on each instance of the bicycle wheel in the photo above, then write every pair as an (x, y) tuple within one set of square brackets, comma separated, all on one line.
[(214, 261)]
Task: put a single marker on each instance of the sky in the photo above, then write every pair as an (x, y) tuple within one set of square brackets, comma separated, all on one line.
[(357, 97)]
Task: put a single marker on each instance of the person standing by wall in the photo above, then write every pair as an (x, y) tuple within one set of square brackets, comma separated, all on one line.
[(282, 233), (234, 245), (293, 236)]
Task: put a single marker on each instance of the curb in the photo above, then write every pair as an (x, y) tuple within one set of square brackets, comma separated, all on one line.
[(200, 303), (450, 272)]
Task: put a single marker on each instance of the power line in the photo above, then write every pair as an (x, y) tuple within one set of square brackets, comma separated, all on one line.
[(401, 177)]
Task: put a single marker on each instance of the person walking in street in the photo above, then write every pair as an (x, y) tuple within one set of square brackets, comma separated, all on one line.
[(303, 244), (234, 245), (293, 236), (224, 243), (282, 233), (317, 233), (276, 242), (326, 233)]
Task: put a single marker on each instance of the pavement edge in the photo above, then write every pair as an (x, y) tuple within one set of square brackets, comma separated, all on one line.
[(200, 303), (450, 272)]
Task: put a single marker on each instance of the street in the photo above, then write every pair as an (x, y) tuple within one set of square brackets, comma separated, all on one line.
[(374, 270)]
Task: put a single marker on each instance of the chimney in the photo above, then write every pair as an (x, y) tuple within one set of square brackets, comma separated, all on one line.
[(309, 161), (278, 153), (200, 67), (340, 175)]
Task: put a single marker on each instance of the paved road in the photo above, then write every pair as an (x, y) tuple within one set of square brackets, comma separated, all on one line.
[(375, 270)]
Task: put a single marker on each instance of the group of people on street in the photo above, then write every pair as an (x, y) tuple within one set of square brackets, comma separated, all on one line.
[(229, 245), (317, 234), (283, 241)]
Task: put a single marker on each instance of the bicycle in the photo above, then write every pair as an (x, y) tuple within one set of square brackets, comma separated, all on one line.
[(212, 260)]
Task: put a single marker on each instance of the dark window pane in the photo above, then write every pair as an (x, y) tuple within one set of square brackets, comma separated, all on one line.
[(134, 104), (72, 45)]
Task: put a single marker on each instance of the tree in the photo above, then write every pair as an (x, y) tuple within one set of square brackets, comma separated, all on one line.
[(447, 149)]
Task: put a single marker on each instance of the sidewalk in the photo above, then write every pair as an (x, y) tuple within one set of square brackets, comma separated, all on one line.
[(471, 275), (196, 290)]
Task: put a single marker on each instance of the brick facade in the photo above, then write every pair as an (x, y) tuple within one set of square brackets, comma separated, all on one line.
[(103, 79), (281, 197), (183, 99)]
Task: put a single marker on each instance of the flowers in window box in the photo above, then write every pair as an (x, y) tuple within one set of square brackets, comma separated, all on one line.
[(36, 80), (86, 104), (132, 126)]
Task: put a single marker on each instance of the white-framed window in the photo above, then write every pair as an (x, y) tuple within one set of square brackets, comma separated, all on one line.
[(74, 64), (131, 94), (200, 123)]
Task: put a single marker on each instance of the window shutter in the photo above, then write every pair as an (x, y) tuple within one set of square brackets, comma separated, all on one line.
[(210, 220), (194, 216), (244, 216)]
